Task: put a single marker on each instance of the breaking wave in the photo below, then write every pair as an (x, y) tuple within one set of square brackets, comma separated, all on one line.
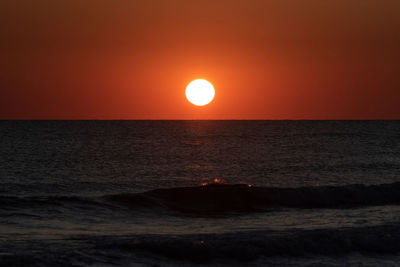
[(223, 198)]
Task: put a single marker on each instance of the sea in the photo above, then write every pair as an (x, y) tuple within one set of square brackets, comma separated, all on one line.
[(200, 193)]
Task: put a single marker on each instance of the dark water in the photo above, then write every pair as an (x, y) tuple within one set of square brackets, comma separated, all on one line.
[(139, 193)]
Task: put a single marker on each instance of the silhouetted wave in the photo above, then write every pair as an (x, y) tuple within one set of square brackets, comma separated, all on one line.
[(221, 198)]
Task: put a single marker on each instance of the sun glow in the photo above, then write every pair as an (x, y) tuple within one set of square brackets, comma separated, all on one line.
[(200, 92)]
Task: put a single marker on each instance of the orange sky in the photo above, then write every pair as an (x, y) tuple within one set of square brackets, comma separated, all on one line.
[(125, 59)]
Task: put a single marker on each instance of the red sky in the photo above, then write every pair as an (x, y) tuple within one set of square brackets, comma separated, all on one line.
[(124, 59)]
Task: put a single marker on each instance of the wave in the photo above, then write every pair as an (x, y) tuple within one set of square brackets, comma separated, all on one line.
[(224, 198)]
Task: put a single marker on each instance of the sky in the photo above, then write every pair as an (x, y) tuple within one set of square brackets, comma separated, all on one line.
[(125, 59)]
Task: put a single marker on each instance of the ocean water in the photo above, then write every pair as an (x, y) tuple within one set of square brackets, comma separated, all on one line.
[(219, 193)]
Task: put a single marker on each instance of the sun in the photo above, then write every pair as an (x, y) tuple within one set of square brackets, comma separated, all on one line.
[(200, 92)]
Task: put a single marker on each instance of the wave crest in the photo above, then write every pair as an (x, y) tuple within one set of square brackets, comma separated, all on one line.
[(224, 198)]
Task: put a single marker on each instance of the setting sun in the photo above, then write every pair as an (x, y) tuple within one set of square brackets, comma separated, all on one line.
[(200, 92)]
